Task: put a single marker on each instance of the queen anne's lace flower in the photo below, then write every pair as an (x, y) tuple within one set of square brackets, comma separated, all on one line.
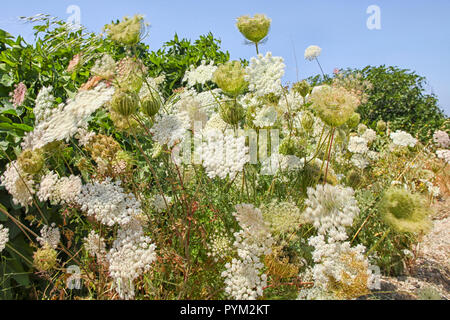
[(66, 119), (223, 154), (131, 256), (19, 184), (50, 236), (312, 52), (265, 117), (441, 139), (403, 139), (200, 75), (357, 145), (369, 135), (59, 191), (264, 74), (331, 209), (444, 155), (168, 130), (107, 203), (4, 237), (243, 276), (104, 67)]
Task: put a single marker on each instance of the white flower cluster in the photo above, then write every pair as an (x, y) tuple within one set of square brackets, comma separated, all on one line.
[(223, 154), (151, 88), (216, 123), (264, 74), (333, 262), (331, 209), (444, 155), (107, 203), (131, 255), (265, 117), (95, 246), (243, 276), (369, 135), (19, 184), (104, 67), (220, 246), (168, 130), (312, 52), (44, 104), (441, 139), (59, 191), (357, 145), (66, 119), (4, 237), (403, 139), (50, 236), (84, 136), (199, 75)]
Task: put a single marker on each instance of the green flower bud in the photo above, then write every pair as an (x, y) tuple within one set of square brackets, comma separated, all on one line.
[(254, 29), (303, 88), (381, 126), (150, 105), (125, 103), (307, 120), (354, 120), (31, 161), (128, 32), (230, 78), (231, 112), (45, 259)]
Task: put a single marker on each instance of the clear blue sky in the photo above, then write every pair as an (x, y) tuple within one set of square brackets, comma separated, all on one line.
[(415, 34)]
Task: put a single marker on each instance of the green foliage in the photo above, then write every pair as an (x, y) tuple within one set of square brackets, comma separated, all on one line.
[(399, 96), (176, 56)]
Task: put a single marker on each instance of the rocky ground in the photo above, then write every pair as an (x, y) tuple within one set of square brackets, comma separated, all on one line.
[(429, 276)]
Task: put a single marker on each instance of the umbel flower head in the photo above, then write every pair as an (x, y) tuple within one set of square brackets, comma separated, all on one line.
[(312, 52), (334, 105), (254, 29), (230, 78), (404, 211), (45, 258), (127, 32), (31, 161), (302, 87)]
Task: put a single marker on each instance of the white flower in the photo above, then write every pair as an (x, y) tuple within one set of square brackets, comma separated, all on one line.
[(444, 155), (369, 135), (357, 145), (104, 67), (441, 139), (19, 184), (4, 237), (312, 52), (66, 119), (168, 130), (359, 161), (291, 102), (199, 75), (59, 191), (50, 236), (44, 104), (95, 246), (131, 256), (403, 139), (331, 209), (223, 154), (107, 203), (47, 187), (265, 117), (264, 74)]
